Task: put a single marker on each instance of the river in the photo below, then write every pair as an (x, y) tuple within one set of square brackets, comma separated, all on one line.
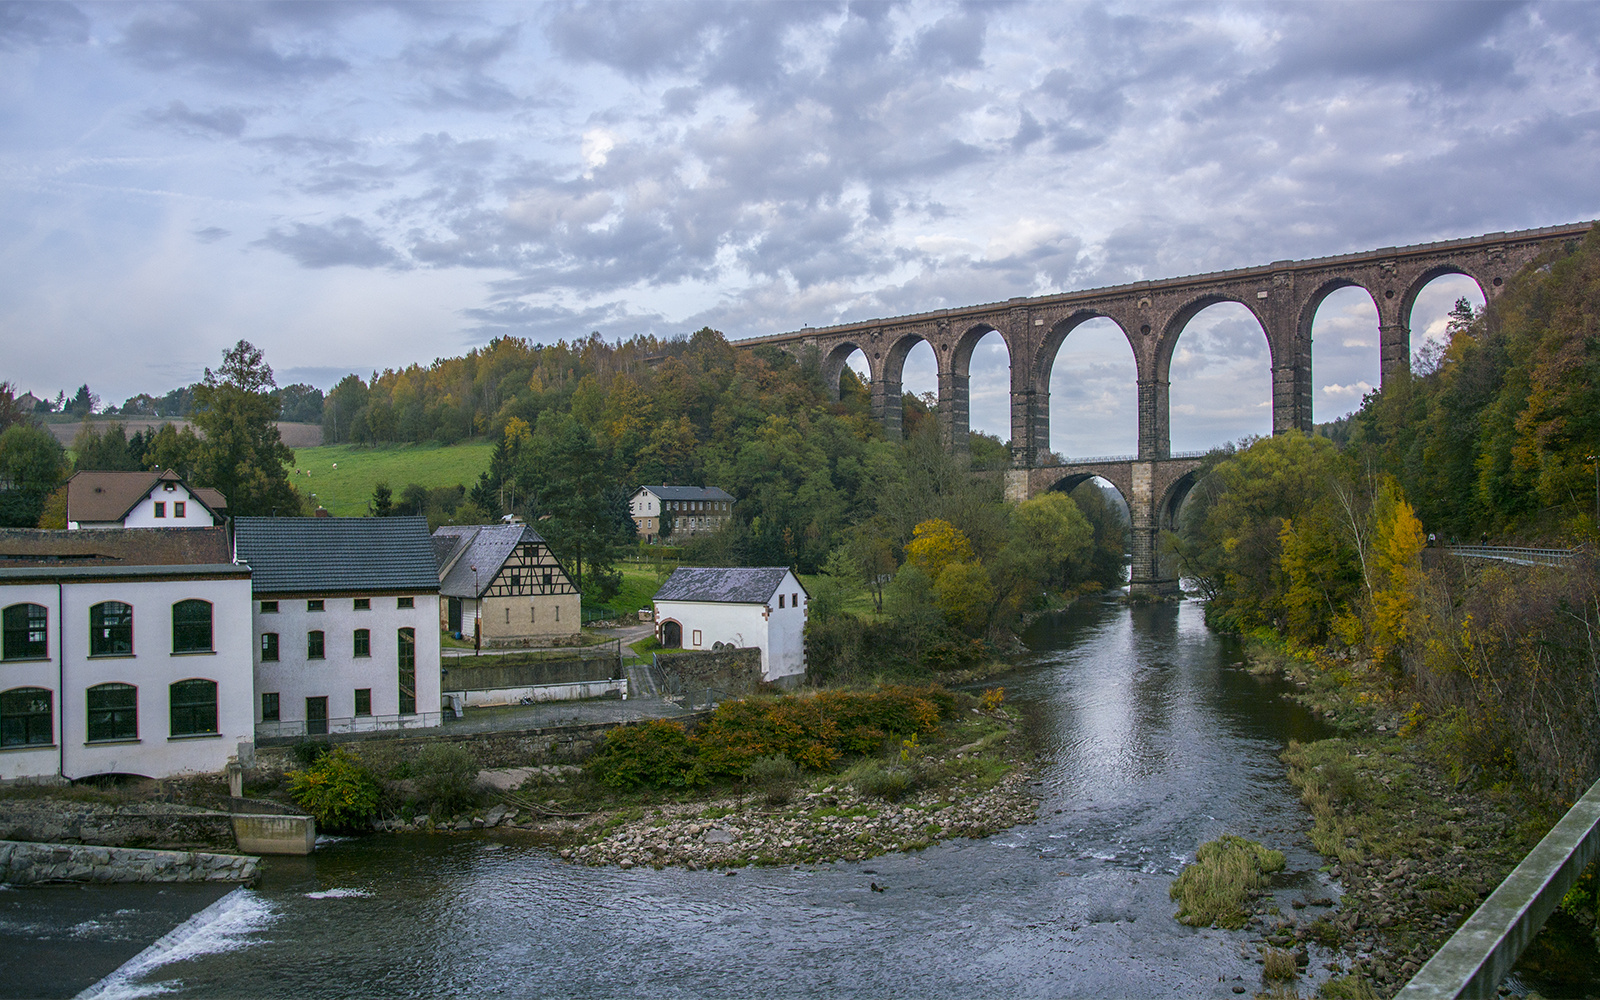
[(1158, 740)]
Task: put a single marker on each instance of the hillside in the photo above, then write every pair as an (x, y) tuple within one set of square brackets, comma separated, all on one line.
[(342, 476)]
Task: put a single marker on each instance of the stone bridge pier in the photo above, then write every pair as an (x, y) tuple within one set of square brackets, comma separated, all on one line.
[(1152, 315)]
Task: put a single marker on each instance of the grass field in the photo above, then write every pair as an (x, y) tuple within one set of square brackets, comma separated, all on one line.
[(345, 490)]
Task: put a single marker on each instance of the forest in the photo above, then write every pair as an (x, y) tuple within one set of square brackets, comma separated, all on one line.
[(1336, 544)]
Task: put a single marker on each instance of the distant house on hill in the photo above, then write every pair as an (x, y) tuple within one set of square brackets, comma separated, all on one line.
[(764, 607), (141, 500), (662, 511), (504, 579), (124, 651), (345, 639)]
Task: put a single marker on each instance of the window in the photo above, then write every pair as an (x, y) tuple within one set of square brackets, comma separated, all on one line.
[(314, 645), (697, 637), (177, 508), (161, 509), (269, 607), (780, 601), (269, 706), (25, 718), (408, 671), (113, 712), (363, 642), (508, 616), (191, 627), (269, 647), (794, 600), (111, 629), (26, 634), (363, 604), (404, 602), (516, 580), (548, 577), (313, 605), (363, 701), (194, 707)]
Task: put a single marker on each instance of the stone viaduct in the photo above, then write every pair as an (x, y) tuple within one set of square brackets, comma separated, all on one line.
[(1283, 297)]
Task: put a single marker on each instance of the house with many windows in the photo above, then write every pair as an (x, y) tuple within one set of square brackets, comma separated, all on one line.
[(660, 512), (141, 500), (502, 583), (122, 651), (344, 620), (760, 606)]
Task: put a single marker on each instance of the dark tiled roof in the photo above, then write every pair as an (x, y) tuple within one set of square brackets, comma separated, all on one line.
[(114, 547), (689, 492), (333, 554), (487, 546), (108, 496), (724, 585)]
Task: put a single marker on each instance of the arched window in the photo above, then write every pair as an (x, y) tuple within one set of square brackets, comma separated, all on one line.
[(113, 712), (111, 629), (25, 718), (408, 671), (26, 632), (191, 627), (193, 705)]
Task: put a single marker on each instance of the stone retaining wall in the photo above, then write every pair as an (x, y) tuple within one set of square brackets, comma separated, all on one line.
[(54, 821), (27, 863)]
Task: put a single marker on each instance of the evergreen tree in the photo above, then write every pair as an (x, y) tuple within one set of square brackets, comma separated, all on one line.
[(241, 453)]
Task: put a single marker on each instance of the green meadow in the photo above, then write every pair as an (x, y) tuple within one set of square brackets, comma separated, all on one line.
[(346, 489)]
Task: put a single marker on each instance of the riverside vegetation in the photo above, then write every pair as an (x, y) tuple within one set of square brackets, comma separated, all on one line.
[(834, 775)]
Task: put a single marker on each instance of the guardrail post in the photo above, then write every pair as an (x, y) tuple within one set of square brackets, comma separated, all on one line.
[(1483, 950)]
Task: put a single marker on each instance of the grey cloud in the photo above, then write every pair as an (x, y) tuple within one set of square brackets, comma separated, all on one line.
[(345, 240), (1444, 43), (28, 24), (953, 42), (232, 42), (1029, 131), (547, 323), (463, 62), (229, 122), (211, 234)]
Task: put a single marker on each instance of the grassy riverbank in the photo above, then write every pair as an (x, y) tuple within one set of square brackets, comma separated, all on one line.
[(1414, 844)]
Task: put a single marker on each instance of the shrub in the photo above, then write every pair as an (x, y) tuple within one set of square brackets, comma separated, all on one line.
[(774, 776), (307, 752), (1278, 964), (654, 754), (444, 775), (1225, 875), (873, 780), (993, 698), (337, 791)]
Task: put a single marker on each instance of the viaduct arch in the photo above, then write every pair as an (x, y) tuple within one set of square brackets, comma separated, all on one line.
[(1283, 296)]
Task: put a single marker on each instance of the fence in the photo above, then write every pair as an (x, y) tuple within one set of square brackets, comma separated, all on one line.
[(597, 613), (1483, 950), (356, 724), (1511, 554)]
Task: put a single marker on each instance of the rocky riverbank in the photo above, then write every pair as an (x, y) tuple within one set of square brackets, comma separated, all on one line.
[(829, 824), (1414, 849)]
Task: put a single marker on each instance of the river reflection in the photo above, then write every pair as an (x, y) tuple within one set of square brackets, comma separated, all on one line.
[(1157, 740)]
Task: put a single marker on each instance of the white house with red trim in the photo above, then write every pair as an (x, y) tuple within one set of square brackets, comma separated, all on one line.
[(760, 606)]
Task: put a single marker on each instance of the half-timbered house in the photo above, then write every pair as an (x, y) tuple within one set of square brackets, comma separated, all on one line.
[(502, 583)]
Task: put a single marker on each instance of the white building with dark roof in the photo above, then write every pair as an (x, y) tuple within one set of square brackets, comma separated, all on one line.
[(345, 633), (141, 500), (765, 607), (660, 512), (504, 580), (123, 651)]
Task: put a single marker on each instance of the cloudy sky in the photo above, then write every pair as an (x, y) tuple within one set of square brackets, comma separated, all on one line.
[(357, 186)]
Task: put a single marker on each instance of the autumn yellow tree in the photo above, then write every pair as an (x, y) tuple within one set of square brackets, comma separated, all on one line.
[(936, 544)]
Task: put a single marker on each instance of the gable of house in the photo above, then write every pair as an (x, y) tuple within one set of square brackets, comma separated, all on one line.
[(511, 560), (102, 499)]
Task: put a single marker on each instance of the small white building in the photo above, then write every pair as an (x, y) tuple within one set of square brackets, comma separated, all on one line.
[(345, 623), (140, 500), (763, 607), (660, 512), (122, 652)]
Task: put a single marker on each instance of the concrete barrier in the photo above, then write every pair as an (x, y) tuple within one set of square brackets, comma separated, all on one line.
[(267, 834), (1483, 950)]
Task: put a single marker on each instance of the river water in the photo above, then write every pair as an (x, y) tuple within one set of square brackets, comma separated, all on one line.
[(1158, 740)]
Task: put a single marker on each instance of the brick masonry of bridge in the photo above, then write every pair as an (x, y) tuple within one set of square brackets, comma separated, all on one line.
[(1283, 296)]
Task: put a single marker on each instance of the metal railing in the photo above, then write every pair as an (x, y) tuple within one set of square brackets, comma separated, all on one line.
[(1513, 554), (1483, 950), (1109, 459), (355, 724)]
